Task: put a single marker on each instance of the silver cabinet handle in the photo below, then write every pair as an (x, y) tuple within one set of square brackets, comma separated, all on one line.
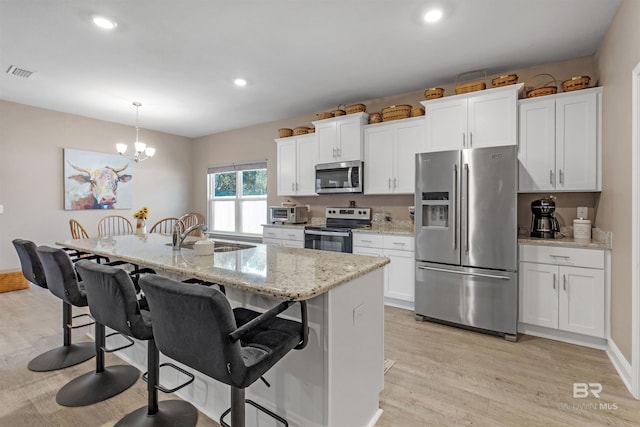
[(470, 139), (554, 281), (296, 186), (564, 257), (551, 177), (463, 140), (334, 152), (389, 182), (339, 151), (292, 186), (561, 176), (455, 205), (564, 282), (395, 182)]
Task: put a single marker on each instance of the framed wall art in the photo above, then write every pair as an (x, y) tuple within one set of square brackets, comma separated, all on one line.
[(95, 180)]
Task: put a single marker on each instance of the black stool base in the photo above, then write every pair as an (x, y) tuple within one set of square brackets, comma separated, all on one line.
[(170, 413), (63, 357), (94, 387)]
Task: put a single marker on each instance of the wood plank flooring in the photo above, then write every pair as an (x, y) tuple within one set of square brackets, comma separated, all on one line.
[(443, 376)]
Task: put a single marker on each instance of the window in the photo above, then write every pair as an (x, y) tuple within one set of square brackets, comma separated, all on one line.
[(237, 197)]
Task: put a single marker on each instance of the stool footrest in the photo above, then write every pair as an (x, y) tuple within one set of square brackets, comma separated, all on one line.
[(260, 408), (71, 326), (145, 378), (111, 350)]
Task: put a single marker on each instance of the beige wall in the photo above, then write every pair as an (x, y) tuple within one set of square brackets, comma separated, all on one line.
[(616, 58), (31, 181), (256, 143)]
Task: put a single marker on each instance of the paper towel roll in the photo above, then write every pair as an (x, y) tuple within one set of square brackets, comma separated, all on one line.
[(582, 230)]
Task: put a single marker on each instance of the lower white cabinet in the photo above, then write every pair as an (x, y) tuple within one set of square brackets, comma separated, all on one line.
[(563, 289), (399, 275), (283, 236)]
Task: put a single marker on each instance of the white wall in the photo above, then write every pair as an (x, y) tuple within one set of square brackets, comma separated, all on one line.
[(31, 174)]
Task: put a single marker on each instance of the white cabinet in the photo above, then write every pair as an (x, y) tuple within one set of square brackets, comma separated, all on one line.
[(563, 289), (479, 119), (340, 138), (399, 274), (283, 236), (389, 155), (296, 160), (560, 143)]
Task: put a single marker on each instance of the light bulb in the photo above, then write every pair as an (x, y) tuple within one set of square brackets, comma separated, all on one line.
[(240, 82), (104, 23), (140, 146), (150, 151), (433, 16), (121, 148)]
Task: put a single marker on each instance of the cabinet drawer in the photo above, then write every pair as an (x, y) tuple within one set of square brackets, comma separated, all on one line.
[(271, 232), (368, 240), (292, 234), (399, 243), (574, 257)]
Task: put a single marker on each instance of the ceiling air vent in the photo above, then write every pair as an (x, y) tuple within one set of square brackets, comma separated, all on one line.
[(19, 72)]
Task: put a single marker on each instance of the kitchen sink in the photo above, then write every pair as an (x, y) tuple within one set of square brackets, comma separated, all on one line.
[(220, 246)]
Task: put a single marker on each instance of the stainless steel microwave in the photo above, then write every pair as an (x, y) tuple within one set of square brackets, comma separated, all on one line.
[(343, 177), (288, 214)]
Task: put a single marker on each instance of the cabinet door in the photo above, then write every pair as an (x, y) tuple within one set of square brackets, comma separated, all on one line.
[(538, 294), (292, 243), (378, 159), (582, 301), (410, 140), (537, 149), (446, 124), (492, 119), (270, 241), (306, 159), (326, 134), (349, 139), (400, 283), (286, 167), (576, 142)]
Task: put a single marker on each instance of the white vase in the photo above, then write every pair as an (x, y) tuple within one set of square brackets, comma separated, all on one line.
[(141, 226)]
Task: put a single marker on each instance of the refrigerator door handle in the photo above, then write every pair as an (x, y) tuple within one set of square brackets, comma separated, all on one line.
[(463, 273), (466, 213), (455, 206)]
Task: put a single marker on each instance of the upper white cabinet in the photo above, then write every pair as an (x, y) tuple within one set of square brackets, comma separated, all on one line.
[(560, 142), (340, 138), (389, 155), (479, 119), (297, 157)]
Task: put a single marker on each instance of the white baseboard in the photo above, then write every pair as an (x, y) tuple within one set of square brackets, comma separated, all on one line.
[(621, 365), (398, 303)]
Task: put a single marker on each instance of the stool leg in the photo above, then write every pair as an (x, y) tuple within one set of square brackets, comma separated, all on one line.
[(153, 366), (237, 407), (68, 354)]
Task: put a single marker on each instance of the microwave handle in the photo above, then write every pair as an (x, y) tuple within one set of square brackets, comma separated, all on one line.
[(349, 177)]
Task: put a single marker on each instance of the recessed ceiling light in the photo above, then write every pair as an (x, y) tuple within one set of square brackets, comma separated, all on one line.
[(105, 23), (240, 82), (433, 15)]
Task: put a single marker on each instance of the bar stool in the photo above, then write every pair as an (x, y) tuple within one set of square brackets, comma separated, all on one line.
[(237, 356), (69, 354), (105, 382), (112, 300)]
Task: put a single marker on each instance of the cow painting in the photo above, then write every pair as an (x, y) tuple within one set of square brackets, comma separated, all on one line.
[(95, 187)]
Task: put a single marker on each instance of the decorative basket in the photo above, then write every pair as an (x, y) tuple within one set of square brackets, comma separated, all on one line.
[(375, 118), (433, 93), (300, 130), (396, 112), (576, 83), (311, 130), (339, 111), (506, 80), (285, 132), (545, 89), (470, 85), (324, 115), (417, 111), (355, 108)]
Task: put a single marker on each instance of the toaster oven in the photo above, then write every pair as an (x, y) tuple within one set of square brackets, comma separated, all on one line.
[(288, 214)]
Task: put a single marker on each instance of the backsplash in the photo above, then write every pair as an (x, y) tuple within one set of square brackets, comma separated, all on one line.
[(566, 208)]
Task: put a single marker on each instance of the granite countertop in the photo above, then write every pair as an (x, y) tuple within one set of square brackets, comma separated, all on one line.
[(281, 272), (600, 240)]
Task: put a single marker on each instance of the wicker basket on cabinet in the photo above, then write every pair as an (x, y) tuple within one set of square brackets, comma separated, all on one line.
[(396, 112)]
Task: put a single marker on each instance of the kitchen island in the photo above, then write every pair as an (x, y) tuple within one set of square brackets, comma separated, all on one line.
[(336, 380)]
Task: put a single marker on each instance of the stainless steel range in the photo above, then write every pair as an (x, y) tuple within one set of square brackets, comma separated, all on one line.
[(336, 236)]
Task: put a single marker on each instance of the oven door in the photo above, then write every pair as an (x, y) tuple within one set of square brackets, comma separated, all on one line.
[(328, 240)]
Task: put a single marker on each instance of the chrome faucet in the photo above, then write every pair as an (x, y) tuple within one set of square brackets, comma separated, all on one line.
[(178, 235)]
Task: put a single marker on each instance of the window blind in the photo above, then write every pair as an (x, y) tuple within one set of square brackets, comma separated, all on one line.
[(231, 167)]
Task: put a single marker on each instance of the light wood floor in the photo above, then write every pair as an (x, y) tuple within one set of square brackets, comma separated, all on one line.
[(443, 376)]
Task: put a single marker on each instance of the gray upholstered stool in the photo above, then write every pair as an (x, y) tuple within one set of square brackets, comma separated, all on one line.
[(112, 300), (68, 354), (105, 382), (196, 326)]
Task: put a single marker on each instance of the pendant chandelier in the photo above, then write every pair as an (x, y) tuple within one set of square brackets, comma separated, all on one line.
[(142, 152)]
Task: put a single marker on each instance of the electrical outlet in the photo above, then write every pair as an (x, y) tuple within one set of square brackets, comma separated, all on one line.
[(583, 212)]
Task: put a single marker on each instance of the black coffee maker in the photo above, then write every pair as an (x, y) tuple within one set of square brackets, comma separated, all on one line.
[(543, 223)]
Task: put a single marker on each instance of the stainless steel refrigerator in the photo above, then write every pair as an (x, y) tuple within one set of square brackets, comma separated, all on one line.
[(466, 238)]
